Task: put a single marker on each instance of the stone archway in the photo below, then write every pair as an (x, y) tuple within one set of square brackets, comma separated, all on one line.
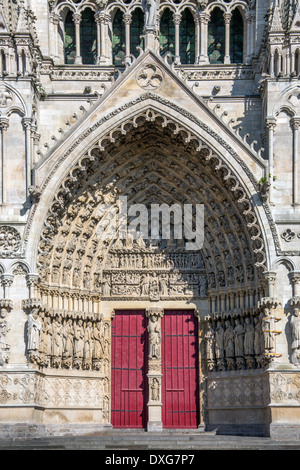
[(151, 159)]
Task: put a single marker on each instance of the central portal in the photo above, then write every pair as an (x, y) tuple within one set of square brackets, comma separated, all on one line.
[(132, 381)]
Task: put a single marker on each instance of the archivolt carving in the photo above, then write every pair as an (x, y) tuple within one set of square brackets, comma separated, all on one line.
[(149, 158)]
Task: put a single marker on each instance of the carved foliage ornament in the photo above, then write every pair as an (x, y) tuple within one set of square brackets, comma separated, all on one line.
[(10, 240)]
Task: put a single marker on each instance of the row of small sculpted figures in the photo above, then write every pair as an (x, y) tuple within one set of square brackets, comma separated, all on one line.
[(237, 344), (67, 342)]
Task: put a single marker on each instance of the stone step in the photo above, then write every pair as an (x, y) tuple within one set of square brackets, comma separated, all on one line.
[(144, 441)]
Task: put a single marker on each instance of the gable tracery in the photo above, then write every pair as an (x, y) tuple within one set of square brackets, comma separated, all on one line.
[(214, 32)]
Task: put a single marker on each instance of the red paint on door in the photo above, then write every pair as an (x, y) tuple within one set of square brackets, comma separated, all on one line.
[(180, 391), (128, 369)]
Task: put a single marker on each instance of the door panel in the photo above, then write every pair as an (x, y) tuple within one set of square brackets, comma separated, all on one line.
[(128, 369), (180, 393)]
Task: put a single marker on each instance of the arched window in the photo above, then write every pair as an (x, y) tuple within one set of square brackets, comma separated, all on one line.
[(236, 37), (187, 38), (136, 31), (70, 41), (167, 34), (118, 42), (216, 37), (88, 37)]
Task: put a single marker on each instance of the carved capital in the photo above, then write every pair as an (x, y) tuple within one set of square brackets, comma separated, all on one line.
[(295, 121), (227, 18), (127, 18), (177, 18), (271, 124), (77, 18), (7, 279)]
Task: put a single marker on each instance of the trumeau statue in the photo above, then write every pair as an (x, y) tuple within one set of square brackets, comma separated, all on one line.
[(154, 337)]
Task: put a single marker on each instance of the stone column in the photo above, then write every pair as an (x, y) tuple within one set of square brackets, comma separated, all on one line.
[(271, 123), (295, 121), (154, 315), (6, 280), (101, 21), (127, 21), (204, 19), (270, 277), (3, 154), (54, 22), (249, 37), (227, 18), (295, 279), (177, 20), (27, 127), (77, 21), (31, 280)]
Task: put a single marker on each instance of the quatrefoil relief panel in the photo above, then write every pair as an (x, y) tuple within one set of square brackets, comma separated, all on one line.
[(149, 77)]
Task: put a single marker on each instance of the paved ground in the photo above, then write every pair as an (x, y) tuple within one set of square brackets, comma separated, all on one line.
[(148, 442)]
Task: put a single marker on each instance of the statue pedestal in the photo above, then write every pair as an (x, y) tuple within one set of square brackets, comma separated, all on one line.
[(150, 39)]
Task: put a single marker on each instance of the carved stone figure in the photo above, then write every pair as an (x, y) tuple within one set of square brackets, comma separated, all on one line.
[(154, 337), (239, 338), (155, 389), (249, 337), (98, 333), (229, 344), (295, 327), (34, 331), (88, 346), (150, 9), (78, 339), (57, 342), (68, 335)]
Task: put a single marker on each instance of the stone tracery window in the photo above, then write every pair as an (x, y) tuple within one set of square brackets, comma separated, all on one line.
[(136, 31), (167, 35), (118, 40), (88, 35), (187, 38), (69, 44), (216, 37), (236, 37), (110, 34)]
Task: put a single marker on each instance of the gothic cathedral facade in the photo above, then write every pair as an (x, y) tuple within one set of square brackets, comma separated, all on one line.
[(110, 108)]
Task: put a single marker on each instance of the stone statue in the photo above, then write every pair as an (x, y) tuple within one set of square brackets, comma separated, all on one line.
[(154, 337), (68, 334), (88, 345), (155, 389), (150, 9), (34, 331), (57, 342), (229, 340), (239, 338), (210, 342), (219, 341), (78, 339), (98, 352), (295, 325), (249, 337)]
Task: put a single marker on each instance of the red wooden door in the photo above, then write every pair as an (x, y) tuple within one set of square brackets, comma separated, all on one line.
[(128, 369), (180, 391)]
